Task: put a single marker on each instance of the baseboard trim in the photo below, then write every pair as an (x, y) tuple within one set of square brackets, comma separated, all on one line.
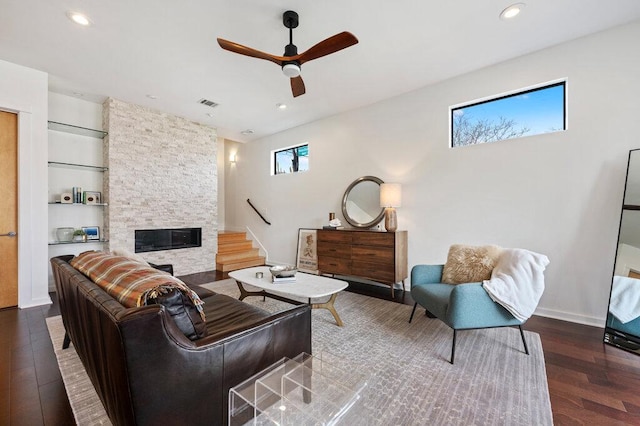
[(37, 302), (566, 316)]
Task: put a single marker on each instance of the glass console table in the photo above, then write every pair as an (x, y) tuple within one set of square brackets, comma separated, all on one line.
[(305, 390)]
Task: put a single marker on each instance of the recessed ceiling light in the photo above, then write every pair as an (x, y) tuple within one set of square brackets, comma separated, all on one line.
[(247, 132), (79, 18), (209, 114), (152, 97), (512, 11), (78, 94), (281, 106)]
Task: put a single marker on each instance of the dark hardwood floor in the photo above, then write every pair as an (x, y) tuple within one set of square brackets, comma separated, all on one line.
[(590, 383)]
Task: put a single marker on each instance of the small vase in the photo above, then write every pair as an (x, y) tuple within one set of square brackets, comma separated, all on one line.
[(64, 235)]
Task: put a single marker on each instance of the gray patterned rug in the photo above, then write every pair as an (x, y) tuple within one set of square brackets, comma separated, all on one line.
[(412, 383)]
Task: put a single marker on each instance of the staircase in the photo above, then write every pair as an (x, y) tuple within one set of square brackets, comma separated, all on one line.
[(236, 252)]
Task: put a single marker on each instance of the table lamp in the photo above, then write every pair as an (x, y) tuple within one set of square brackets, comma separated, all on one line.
[(390, 197)]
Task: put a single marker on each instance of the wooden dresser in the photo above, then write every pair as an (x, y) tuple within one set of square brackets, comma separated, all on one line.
[(374, 255)]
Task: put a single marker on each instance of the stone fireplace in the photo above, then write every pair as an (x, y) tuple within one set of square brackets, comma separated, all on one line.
[(162, 175)]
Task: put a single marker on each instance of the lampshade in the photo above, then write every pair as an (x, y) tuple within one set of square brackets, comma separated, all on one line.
[(390, 195)]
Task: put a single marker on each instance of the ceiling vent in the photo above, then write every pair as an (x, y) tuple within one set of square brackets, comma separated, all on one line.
[(208, 103)]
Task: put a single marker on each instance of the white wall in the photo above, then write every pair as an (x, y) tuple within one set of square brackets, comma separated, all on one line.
[(559, 194), (24, 91)]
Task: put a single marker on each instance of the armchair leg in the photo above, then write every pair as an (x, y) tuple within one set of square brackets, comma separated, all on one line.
[(415, 305), (524, 342), (453, 346), (66, 341)]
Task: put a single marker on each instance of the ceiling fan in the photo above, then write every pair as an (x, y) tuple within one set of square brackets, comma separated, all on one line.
[(291, 61)]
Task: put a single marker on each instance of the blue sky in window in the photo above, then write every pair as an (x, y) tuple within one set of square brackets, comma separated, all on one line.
[(541, 111)]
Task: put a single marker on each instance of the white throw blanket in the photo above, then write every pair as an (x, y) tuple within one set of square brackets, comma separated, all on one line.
[(517, 281), (625, 298)]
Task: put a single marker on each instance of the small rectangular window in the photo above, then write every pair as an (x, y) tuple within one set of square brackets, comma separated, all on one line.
[(291, 160), (524, 113)]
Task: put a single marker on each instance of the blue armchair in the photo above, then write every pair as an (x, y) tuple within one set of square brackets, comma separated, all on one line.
[(461, 306)]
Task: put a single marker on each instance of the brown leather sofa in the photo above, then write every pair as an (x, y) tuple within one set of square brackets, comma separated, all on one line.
[(147, 372)]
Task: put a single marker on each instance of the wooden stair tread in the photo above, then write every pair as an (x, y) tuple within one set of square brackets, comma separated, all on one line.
[(237, 256), (235, 246), (245, 263), (235, 252)]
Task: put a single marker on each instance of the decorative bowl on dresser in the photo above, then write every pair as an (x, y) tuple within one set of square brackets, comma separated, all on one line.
[(373, 255)]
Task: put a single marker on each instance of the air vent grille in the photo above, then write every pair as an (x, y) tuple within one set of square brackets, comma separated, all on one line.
[(208, 103)]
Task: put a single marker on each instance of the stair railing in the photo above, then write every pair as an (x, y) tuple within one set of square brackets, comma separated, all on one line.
[(259, 214), (261, 247)]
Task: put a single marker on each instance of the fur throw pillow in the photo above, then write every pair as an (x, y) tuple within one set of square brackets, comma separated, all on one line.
[(470, 264)]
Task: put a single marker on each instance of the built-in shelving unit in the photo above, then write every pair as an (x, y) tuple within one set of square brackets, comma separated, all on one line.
[(73, 148), (77, 166), (76, 130), (79, 204)]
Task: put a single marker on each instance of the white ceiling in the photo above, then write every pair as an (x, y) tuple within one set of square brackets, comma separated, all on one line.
[(168, 49)]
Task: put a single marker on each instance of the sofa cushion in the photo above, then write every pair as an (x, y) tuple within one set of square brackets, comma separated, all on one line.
[(180, 308), (226, 314), (470, 264), (133, 284)]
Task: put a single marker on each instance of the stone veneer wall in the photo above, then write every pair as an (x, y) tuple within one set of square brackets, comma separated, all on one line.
[(162, 174)]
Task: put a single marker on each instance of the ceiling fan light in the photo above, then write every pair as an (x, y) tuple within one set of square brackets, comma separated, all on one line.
[(291, 70)]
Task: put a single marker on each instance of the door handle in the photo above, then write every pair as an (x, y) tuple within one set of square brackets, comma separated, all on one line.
[(8, 234)]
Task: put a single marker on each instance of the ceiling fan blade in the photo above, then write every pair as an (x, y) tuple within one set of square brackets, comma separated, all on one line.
[(297, 86), (248, 51), (328, 46)]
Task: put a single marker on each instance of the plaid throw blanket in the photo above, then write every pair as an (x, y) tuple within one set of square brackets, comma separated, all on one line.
[(128, 281)]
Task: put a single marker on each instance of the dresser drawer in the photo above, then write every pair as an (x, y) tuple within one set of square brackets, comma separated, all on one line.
[(334, 250), (334, 265), (383, 239), (373, 271), (381, 255), (339, 237)]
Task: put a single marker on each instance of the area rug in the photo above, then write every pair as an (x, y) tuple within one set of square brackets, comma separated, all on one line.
[(411, 380)]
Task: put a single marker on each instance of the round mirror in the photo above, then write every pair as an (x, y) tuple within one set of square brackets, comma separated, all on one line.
[(361, 202)]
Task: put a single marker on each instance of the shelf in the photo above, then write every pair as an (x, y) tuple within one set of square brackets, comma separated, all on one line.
[(76, 130), (77, 166), (79, 204), (57, 243)]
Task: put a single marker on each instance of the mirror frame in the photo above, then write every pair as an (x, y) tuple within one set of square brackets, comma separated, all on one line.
[(348, 218), (622, 339)]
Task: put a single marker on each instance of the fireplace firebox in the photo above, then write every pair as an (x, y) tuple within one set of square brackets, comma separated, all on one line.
[(167, 239)]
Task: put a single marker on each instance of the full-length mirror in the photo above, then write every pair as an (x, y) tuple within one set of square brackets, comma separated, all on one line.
[(623, 318), (361, 202)]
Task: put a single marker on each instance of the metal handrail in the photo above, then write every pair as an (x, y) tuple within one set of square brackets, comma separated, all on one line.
[(259, 214)]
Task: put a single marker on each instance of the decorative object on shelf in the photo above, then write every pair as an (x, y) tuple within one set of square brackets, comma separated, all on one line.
[(390, 198), (91, 197), (66, 198), (76, 191), (64, 234), (307, 254), (79, 236), (91, 232), (333, 222)]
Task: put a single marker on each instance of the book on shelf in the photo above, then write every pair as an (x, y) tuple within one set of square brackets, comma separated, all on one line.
[(332, 227), (277, 280)]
